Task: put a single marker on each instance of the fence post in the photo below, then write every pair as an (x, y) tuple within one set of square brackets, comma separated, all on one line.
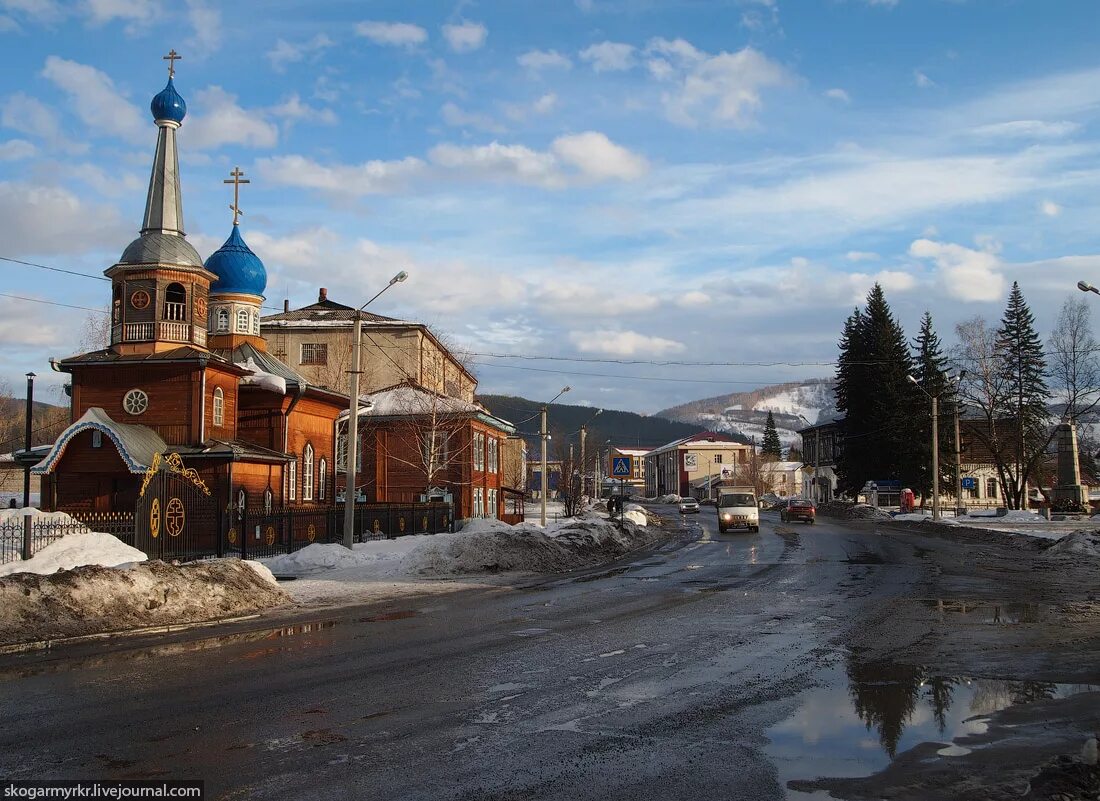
[(245, 533), (288, 530), (27, 535)]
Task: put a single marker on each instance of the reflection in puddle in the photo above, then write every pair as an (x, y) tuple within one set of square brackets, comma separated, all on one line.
[(869, 712), (993, 612)]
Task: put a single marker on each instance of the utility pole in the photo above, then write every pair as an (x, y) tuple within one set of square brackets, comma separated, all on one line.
[(27, 444), (352, 448), (542, 472), (584, 467), (935, 457), (958, 465)]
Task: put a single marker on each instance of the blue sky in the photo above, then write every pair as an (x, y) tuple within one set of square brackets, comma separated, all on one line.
[(600, 179)]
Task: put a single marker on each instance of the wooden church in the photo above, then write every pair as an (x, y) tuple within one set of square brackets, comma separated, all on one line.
[(187, 376)]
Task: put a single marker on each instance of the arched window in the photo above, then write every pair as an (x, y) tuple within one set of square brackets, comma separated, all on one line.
[(255, 322), (219, 407), (223, 320), (175, 302), (322, 478), (307, 473), (116, 305), (292, 480), (242, 321)]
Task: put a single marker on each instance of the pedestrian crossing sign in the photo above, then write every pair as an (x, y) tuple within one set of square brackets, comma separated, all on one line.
[(622, 466)]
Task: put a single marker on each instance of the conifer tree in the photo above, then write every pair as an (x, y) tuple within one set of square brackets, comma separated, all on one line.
[(930, 370), (851, 401), (1023, 369), (771, 448)]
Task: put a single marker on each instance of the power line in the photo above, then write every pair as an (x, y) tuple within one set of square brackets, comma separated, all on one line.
[(54, 269), (52, 303), (617, 375)]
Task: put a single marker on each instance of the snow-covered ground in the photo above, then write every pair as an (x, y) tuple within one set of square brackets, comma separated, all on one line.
[(74, 550), (1013, 522), (331, 572)]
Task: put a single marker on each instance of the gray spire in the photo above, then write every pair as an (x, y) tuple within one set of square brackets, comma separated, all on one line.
[(164, 205)]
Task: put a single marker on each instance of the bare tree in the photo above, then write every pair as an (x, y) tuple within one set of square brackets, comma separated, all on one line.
[(1074, 360), (95, 332)]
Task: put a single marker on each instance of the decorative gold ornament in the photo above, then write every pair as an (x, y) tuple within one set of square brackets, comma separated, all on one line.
[(154, 518), (232, 536), (200, 307), (174, 517), (424, 523), (269, 535), (401, 523), (311, 532), (377, 526), (173, 464)]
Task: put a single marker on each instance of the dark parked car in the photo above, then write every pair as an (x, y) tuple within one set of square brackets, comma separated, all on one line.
[(798, 509)]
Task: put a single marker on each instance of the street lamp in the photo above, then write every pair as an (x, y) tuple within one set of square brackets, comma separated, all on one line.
[(353, 416), (545, 436), (936, 443), (1085, 286), (27, 444), (584, 436)]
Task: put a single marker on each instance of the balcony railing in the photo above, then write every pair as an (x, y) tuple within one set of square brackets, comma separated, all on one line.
[(175, 332), (165, 332), (138, 332), (175, 311)]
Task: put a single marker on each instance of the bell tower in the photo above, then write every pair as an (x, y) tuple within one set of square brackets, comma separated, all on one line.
[(160, 287)]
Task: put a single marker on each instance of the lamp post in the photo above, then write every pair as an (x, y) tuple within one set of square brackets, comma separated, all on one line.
[(1085, 286), (544, 435), (27, 444), (936, 443), (351, 451), (584, 467)]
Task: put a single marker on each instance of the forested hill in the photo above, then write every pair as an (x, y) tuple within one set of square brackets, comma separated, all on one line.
[(625, 429)]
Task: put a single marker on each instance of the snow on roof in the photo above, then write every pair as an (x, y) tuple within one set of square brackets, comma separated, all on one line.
[(632, 451), (136, 444), (409, 400), (779, 467), (702, 439), (262, 378)]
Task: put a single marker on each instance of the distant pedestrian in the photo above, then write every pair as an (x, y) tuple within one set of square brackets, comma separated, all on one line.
[(12, 504)]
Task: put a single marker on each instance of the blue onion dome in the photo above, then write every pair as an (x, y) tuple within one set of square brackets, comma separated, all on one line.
[(168, 105), (239, 270)]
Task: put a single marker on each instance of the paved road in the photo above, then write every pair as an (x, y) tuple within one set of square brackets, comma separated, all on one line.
[(655, 677)]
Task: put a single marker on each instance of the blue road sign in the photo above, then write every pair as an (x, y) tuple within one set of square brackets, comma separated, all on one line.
[(621, 466), (970, 483)]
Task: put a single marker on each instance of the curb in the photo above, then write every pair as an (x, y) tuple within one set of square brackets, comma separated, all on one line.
[(46, 645)]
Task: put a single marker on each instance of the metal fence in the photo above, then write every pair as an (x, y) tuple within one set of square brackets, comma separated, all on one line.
[(45, 530), (253, 533)]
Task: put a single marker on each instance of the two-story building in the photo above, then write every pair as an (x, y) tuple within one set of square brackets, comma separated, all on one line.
[(675, 467), (821, 445)]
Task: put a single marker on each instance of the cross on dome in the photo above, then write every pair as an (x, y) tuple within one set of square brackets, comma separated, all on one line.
[(236, 178), (172, 58)]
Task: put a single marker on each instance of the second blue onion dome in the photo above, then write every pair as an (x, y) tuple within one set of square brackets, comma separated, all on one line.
[(239, 270), (168, 105)]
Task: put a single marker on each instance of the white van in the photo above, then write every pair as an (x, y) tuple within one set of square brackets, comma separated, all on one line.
[(737, 508)]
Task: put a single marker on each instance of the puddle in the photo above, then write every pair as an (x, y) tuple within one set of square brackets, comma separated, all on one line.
[(991, 612), (866, 714), (865, 558), (402, 614)]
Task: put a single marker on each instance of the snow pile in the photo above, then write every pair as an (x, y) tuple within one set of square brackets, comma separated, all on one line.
[(483, 546), (10, 517), (1079, 543), (261, 378), (669, 499), (914, 517), (93, 600), (74, 550), (635, 514)]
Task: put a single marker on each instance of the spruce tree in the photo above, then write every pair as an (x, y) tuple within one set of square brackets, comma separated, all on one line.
[(930, 370), (851, 401), (772, 448), (1023, 369)]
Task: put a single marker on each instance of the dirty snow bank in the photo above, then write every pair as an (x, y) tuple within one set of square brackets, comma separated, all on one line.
[(668, 499), (483, 546), (1079, 543), (93, 600), (852, 511), (74, 550)]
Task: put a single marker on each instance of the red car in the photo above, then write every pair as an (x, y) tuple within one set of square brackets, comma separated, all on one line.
[(798, 509)]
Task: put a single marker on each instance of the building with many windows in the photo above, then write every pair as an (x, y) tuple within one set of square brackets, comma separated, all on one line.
[(675, 467)]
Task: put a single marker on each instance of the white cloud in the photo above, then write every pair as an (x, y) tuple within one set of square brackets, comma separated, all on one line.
[(838, 94), (499, 162), (31, 116), (922, 80), (456, 117), (545, 104), (223, 122), (395, 34), (368, 178), (890, 280), (293, 109), (42, 12), (24, 325), (861, 255), (96, 101), (465, 37), (1050, 208), (967, 274), (520, 112), (137, 12), (693, 299), (536, 60), (16, 150), (598, 157), (571, 299), (623, 343), (883, 3), (31, 215), (609, 56), (723, 89), (286, 52), (7, 24), (206, 28), (1026, 129), (114, 183)]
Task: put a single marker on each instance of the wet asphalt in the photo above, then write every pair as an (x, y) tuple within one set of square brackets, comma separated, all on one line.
[(659, 676)]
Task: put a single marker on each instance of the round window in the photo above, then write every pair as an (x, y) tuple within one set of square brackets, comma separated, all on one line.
[(135, 401)]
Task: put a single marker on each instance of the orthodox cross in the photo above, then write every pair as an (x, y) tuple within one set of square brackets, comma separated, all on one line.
[(237, 178), (171, 58)]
